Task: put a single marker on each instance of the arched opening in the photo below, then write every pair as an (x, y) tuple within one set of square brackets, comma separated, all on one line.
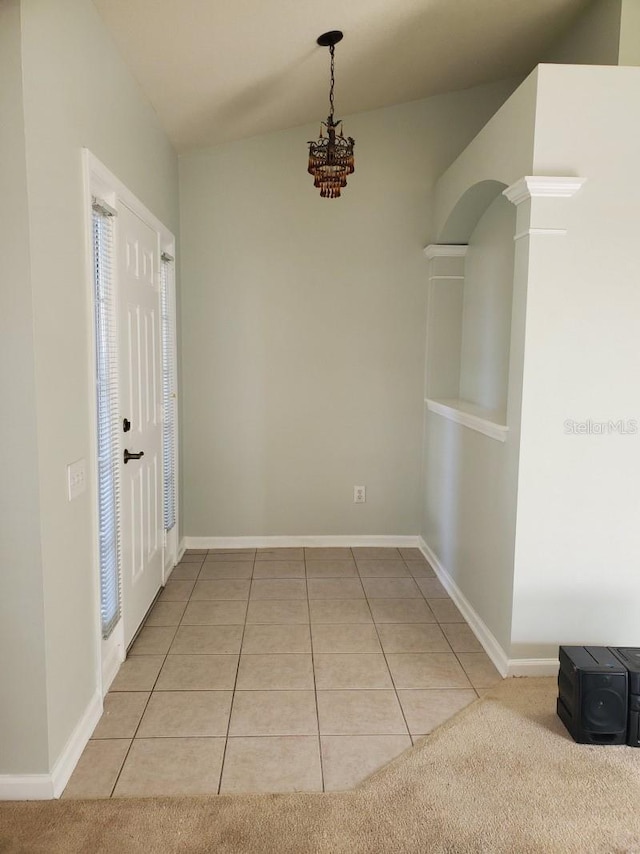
[(470, 304), (468, 210)]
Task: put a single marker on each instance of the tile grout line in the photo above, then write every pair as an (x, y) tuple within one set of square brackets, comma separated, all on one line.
[(473, 687), (439, 624), (235, 683), (313, 670), (386, 661), (155, 682), (146, 705), (176, 628), (393, 682), (451, 650)]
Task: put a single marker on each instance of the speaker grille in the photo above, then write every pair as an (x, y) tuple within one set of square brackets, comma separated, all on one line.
[(593, 692), (603, 711)]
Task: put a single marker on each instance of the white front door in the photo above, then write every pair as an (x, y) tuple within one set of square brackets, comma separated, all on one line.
[(142, 530)]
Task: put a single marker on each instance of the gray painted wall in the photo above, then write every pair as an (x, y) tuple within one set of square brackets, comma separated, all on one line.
[(470, 479), (76, 91), (303, 324), (572, 576), (23, 710), (486, 312)]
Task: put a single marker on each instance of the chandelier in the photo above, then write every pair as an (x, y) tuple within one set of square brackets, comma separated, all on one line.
[(331, 156)]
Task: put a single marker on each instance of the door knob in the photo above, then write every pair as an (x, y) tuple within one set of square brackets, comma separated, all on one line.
[(131, 456)]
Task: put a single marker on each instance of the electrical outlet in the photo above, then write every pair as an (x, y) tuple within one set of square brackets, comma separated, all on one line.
[(359, 494), (76, 478)]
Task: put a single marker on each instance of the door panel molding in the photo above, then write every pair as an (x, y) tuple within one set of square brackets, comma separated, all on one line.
[(100, 181), (140, 360)]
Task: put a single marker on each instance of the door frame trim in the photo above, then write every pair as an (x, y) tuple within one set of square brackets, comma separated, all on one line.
[(100, 181)]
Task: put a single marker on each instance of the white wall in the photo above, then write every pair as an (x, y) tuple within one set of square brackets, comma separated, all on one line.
[(303, 324), (574, 359), (23, 712), (629, 53), (76, 92), (578, 540), (486, 312), (470, 479), (487, 159)]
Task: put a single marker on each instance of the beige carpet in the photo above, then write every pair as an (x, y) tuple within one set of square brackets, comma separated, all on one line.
[(502, 776)]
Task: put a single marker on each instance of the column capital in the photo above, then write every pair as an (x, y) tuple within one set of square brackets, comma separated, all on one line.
[(542, 186)]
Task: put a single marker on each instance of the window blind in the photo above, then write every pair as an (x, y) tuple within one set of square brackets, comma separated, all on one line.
[(169, 397), (108, 419)]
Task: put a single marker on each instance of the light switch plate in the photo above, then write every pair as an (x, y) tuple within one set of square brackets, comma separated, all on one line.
[(76, 478)]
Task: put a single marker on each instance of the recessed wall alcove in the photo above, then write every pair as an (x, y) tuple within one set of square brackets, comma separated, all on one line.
[(532, 337), (469, 320)]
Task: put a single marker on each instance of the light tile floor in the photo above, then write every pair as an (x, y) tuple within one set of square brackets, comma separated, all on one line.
[(277, 670)]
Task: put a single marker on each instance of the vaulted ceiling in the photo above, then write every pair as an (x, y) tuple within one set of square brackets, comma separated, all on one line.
[(217, 70)]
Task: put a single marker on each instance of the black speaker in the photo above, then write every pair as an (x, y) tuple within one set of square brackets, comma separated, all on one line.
[(630, 658), (593, 695)]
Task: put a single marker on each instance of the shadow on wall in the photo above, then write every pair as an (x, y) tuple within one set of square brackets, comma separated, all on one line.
[(468, 211)]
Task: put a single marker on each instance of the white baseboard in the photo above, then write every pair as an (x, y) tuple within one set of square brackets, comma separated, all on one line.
[(506, 666), (68, 759), (533, 667), (293, 541), (39, 787), (26, 787), (477, 626)]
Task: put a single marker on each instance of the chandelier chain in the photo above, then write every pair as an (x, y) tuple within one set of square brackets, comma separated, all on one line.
[(331, 51), (331, 156)]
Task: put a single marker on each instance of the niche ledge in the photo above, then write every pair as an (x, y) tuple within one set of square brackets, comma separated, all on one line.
[(485, 421)]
